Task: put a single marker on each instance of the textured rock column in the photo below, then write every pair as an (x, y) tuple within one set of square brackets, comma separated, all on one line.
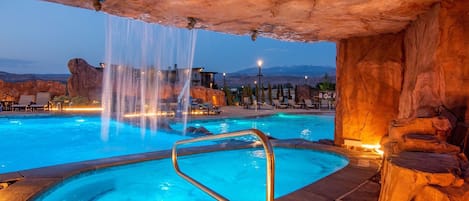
[(369, 77), (85, 80), (437, 60)]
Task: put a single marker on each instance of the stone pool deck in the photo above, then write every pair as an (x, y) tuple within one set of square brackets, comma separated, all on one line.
[(357, 181)]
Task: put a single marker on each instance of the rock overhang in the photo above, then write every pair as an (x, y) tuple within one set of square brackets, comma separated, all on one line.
[(289, 20)]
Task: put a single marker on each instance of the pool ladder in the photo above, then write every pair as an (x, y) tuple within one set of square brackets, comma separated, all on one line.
[(268, 152)]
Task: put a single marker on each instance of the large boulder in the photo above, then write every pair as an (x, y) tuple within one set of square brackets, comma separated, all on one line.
[(85, 80), (427, 134)]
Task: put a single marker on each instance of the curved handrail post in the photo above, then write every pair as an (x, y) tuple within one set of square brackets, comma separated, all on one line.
[(270, 157)]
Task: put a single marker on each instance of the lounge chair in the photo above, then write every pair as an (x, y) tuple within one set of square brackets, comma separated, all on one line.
[(208, 109), (292, 104), (24, 102), (325, 104), (42, 101), (277, 104), (309, 104)]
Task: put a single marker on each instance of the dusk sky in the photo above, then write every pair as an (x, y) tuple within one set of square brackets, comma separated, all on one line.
[(40, 37)]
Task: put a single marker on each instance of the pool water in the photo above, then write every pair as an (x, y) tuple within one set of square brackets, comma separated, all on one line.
[(31, 142), (28, 142), (237, 175), (280, 126)]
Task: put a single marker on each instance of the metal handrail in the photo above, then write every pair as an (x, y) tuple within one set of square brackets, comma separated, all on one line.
[(268, 152)]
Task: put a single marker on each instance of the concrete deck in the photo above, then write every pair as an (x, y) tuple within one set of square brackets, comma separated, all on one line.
[(355, 182)]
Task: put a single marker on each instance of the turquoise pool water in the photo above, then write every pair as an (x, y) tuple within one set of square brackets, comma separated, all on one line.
[(31, 142), (237, 175), (280, 126)]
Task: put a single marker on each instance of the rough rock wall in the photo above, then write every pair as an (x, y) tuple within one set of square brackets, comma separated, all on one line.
[(435, 52), (298, 20), (423, 82), (452, 56), (85, 80), (11, 91), (216, 97), (437, 60), (369, 77), (436, 73)]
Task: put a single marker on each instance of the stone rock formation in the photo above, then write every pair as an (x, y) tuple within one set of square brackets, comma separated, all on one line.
[(85, 81), (420, 134), (369, 71), (440, 179), (429, 67), (11, 91), (437, 56), (298, 20)]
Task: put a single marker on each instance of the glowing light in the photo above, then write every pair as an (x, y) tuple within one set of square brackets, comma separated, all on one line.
[(259, 63), (80, 120), (379, 151), (305, 133), (79, 109), (15, 122), (375, 147), (224, 127)]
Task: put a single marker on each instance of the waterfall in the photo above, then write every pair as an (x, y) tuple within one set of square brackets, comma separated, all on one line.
[(146, 69)]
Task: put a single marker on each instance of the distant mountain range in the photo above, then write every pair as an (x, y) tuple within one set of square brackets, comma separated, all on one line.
[(274, 75), (11, 77), (278, 75), (299, 70)]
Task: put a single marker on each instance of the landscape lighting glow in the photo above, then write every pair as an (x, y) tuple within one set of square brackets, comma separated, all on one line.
[(79, 109), (376, 148), (151, 114)]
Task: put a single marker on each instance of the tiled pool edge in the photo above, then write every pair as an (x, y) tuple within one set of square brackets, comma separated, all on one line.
[(362, 166), (32, 182)]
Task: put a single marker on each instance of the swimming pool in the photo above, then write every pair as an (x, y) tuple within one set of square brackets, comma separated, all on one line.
[(237, 175), (280, 126), (31, 142)]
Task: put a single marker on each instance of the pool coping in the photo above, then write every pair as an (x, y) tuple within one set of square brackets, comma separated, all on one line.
[(362, 166)]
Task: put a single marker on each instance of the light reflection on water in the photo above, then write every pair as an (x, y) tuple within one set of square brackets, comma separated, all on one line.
[(280, 126)]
